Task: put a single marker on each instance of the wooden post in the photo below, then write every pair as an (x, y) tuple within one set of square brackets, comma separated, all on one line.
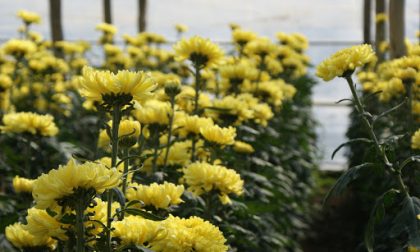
[(367, 20), (107, 12), (396, 28), (55, 20), (142, 15), (380, 29)]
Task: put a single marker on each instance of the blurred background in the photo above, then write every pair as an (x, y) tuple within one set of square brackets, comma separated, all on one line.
[(329, 25)]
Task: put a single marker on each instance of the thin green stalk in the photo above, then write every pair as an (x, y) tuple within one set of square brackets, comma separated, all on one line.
[(197, 88), (156, 148), (116, 117), (28, 156), (261, 69), (360, 109), (126, 154), (80, 228), (171, 122), (409, 87)]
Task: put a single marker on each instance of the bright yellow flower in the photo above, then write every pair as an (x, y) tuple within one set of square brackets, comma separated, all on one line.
[(95, 85), (415, 140), (345, 61), (107, 28), (262, 113), (18, 47), (153, 112), (192, 234), (242, 37), (232, 110), (5, 82), (134, 230), (99, 213), (202, 177), (156, 195), (222, 136), (22, 184), (29, 17), (199, 51), (128, 132), (192, 125), (29, 122), (42, 226), (243, 147), (381, 17), (18, 235), (181, 28), (61, 182), (261, 47)]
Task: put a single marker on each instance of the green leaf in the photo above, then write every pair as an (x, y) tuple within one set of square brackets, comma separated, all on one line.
[(142, 213), (389, 111), (409, 160), (120, 195), (377, 213), (366, 140), (345, 179)]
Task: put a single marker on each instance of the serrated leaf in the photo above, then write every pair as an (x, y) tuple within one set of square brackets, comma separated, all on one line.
[(377, 213), (142, 213), (345, 179), (354, 140)]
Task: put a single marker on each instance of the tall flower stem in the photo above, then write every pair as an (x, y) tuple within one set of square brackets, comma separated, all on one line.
[(195, 111), (409, 90), (126, 154), (171, 122), (80, 228), (116, 118), (155, 132), (360, 109)]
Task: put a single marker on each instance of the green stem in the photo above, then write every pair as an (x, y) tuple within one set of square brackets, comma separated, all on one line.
[(28, 156), (197, 88), (80, 228), (409, 87), (116, 117), (360, 109), (126, 153), (156, 148), (171, 122)]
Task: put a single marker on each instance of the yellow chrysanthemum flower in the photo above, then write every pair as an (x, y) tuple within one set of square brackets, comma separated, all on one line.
[(262, 113), (128, 132), (192, 234), (153, 112), (156, 195), (98, 213), (260, 47), (415, 140), (242, 37), (134, 230), (18, 235), (192, 125), (42, 225), (61, 182), (5, 82), (22, 184), (202, 177), (345, 61), (381, 17), (107, 28), (181, 28), (18, 47), (96, 85), (29, 17), (243, 147), (201, 52), (28, 122), (231, 110), (222, 136)]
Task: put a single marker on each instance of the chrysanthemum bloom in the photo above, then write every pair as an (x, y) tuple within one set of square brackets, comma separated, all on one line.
[(381, 17), (202, 177), (110, 88), (260, 47), (29, 17), (107, 28), (42, 225), (22, 184), (233, 76), (18, 235), (262, 113), (230, 110), (201, 52), (19, 48), (243, 147), (156, 195), (52, 187), (192, 234), (181, 28), (153, 112), (28, 122), (97, 213), (415, 140), (242, 37), (135, 230), (222, 136), (128, 132), (192, 125), (5, 82), (345, 61)]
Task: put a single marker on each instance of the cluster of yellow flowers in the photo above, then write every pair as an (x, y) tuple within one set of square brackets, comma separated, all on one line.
[(165, 130)]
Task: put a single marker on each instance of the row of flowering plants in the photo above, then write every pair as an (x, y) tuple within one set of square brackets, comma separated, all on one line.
[(384, 142), (181, 149)]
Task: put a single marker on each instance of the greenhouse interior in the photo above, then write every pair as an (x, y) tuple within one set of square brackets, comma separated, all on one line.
[(210, 126)]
